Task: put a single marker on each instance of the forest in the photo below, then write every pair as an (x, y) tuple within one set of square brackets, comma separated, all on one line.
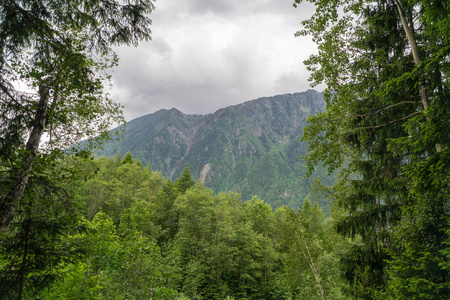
[(131, 234), (77, 227)]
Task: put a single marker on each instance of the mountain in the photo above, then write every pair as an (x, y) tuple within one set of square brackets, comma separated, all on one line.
[(251, 148)]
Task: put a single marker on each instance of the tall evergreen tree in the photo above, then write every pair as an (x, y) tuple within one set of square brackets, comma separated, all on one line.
[(182, 184), (386, 67)]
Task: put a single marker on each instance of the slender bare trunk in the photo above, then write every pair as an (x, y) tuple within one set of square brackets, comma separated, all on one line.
[(416, 56), (307, 255), (8, 204), (414, 49)]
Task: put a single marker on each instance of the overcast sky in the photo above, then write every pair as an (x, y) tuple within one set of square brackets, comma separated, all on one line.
[(209, 54)]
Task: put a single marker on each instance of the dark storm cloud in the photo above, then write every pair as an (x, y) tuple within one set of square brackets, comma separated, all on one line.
[(208, 54)]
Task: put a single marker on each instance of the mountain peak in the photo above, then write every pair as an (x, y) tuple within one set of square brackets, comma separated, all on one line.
[(250, 148)]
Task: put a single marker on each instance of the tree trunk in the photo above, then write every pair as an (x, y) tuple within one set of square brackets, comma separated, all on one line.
[(416, 55), (8, 204), (310, 261), (414, 50)]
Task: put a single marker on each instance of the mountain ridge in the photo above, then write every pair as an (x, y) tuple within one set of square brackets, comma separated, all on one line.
[(252, 148)]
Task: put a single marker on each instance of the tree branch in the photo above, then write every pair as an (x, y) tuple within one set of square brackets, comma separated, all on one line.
[(391, 122), (381, 109)]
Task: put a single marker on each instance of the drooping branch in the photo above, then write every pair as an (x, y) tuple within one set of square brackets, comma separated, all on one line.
[(380, 110), (391, 122)]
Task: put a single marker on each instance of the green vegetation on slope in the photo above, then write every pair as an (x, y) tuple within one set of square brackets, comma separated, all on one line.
[(252, 148)]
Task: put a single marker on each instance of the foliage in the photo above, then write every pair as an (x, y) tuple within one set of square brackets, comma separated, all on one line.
[(312, 261), (115, 184), (386, 67), (53, 61), (141, 236), (32, 251), (252, 148), (53, 58), (115, 267), (33, 254)]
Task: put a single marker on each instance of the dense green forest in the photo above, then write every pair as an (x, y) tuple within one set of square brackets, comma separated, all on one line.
[(110, 228), (131, 234)]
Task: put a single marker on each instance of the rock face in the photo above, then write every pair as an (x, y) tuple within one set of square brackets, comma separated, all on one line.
[(251, 148)]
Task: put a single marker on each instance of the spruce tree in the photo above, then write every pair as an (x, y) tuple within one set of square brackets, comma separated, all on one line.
[(386, 67), (182, 184)]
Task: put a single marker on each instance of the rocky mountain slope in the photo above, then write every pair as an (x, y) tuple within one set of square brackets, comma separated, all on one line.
[(251, 148)]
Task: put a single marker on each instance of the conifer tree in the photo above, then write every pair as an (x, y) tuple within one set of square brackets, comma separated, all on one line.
[(33, 251), (185, 182), (386, 67), (128, 159)]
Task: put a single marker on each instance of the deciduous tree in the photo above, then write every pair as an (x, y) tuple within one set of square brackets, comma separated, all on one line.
[(53, 58)]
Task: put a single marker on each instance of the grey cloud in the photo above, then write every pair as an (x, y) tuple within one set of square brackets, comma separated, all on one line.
[(208, 54), (212, 6), (238, 7), (162, 47)]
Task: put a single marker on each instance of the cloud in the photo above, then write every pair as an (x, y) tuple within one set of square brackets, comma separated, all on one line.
[(209, 54)]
